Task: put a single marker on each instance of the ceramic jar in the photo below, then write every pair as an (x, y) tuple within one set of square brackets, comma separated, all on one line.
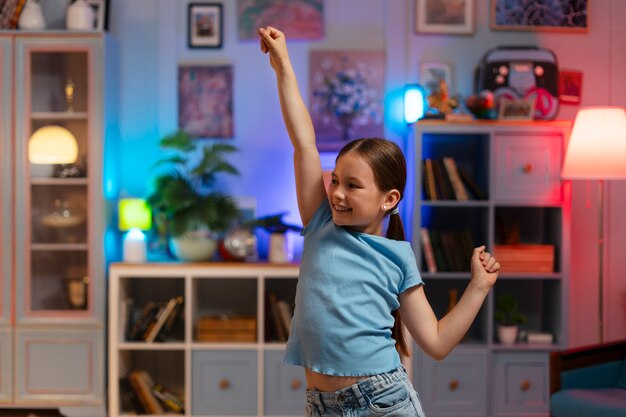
[(31, 17), (80, 16)]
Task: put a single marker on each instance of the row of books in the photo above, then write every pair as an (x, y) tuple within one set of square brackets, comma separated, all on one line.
[(154, 322), (444, 179), (280, 314), (446, 251), (140, 394)]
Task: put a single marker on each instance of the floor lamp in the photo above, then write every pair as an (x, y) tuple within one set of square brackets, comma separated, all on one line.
[(597, 151)]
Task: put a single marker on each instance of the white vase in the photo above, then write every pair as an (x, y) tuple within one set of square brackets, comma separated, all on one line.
[(507, 335), (278, 248), (194, 246), (80, 16), (31, 17)]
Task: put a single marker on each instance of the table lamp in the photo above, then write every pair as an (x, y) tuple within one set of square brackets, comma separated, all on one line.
[(597, 151), (52, 145), (135, 216), (414, 103)]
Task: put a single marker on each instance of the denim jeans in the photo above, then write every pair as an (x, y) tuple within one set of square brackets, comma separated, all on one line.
[(389, 394)]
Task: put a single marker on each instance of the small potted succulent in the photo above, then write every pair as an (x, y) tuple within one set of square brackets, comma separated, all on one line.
[(508, 318)]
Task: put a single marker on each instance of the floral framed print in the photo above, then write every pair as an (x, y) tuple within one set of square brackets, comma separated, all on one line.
[(346, 90), (204, 25), (546, 15), (205, 101), (298, 19), (444, 16)]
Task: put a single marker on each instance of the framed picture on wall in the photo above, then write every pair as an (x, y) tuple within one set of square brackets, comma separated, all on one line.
[(548, 15), (570, 86), (100, 8), (444, 16), (298, 19), (204, 25)]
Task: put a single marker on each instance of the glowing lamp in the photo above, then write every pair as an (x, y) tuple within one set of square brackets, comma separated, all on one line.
[(597, 151), (52, 145), (134, 216), (414, 103)]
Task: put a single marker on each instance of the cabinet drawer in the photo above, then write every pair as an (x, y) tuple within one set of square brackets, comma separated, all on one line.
[(454, 386), (224, 383), (528, 168), (285, 386), (6, 359), (59, 365), (520, 384)]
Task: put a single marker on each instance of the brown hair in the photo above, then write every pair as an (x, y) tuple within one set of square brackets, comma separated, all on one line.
[(389, 167)]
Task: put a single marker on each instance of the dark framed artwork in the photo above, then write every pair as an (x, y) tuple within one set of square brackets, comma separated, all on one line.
[(570, 87), (298, 19), (205, 101), (204, 25), (545, 15)]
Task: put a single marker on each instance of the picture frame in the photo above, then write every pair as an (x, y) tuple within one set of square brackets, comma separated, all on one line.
[(570, 87), (523, 15), (516, 109), (100, 10), (297, 19), (454, 17), (205, 101), (205, 25), (431, 75)]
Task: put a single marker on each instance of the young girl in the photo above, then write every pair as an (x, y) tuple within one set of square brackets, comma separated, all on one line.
[(354, 283)]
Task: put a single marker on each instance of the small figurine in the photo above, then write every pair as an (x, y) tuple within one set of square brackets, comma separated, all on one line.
[(69, 94), (441, 101)]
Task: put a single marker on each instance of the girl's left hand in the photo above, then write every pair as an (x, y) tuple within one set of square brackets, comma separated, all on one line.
[(485, 268)]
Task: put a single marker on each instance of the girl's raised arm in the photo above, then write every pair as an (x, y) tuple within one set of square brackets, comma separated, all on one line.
[(307, 165)]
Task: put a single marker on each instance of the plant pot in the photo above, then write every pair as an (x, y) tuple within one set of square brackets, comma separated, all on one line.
[(194, 246), (507, 335)]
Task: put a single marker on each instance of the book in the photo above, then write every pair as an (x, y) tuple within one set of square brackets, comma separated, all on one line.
[(152, 331), (473, 187), (174, 317), (142, 384), (444, 187), (457, 185), (278, 325), (539, 337), (285, 315), (169, 400), (429, 180), (427, 248), (141, 324), (129, 400)]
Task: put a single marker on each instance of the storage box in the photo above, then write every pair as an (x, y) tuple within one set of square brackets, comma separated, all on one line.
[(226, 329), (525, 258)]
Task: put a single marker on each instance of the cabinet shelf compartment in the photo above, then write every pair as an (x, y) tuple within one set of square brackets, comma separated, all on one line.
[(278, 291), (232, 298), (172, 376), (59, 214), (443, 292), (51, 71), (140, 293), (539, 300), (470, 153), (50, 272)]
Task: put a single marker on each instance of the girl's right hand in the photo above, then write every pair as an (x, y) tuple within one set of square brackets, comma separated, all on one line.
[(273, 42)]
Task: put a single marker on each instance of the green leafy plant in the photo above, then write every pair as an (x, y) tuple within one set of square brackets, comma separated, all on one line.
[(184, 197), (507, 313)]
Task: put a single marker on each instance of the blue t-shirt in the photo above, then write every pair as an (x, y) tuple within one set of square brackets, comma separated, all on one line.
[(347, 290)]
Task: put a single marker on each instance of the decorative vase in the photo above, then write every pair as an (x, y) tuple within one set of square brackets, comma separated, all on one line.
[(80, 16), (194, 246), (278, 248), (31, 17), (507, 335)]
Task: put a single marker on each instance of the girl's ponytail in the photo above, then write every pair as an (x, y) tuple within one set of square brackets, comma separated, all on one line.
[(395, 230)]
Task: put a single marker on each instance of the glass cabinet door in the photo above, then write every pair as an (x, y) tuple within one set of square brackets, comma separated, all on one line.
[(52, 143), (5, 182)]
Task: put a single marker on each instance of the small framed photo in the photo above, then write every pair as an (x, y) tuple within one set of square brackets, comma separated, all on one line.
[(432, 74), (454, 17), (517, 109), (204, 25), (99, 7), (570, 87)]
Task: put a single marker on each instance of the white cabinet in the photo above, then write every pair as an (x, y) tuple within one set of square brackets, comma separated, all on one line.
[(516, 202), (52, 221), (223, 354)]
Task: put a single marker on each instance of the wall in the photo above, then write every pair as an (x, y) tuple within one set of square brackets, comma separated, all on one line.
[(153, 43)]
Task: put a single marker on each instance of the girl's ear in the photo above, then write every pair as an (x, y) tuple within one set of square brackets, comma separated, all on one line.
[(392, 198)]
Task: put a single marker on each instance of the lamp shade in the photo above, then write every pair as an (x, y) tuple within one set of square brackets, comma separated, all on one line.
[(597, 145), (414, 103), (134, 213), (52, 145)]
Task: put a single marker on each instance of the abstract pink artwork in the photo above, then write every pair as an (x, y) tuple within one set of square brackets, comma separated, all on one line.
[(346, 93), (205, 101), (298, 19)]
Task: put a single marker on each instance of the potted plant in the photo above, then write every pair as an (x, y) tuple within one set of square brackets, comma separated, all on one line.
[(186, 204), (508, 318)]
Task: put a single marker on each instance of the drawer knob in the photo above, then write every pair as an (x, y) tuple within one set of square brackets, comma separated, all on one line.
[(454, 385), (224, 384), (296, 384), (525, 385), (527, 168)]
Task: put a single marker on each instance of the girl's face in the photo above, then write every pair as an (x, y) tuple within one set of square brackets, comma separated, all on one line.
[(354, 197)]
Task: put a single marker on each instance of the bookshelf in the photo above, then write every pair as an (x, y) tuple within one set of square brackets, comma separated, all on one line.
[(222, 355), (516, 203)]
